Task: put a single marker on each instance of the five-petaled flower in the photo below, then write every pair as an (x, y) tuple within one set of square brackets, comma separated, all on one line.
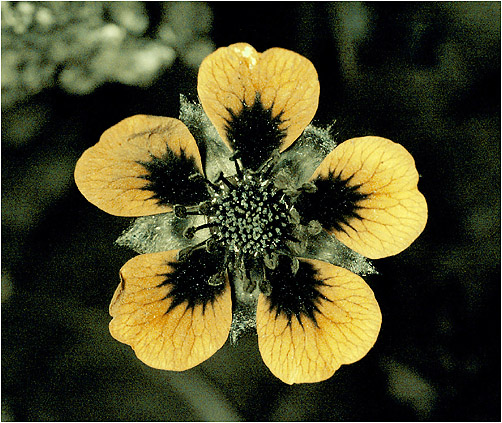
[(251, 218)]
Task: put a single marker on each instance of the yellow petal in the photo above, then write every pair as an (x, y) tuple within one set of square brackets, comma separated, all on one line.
[(140, 166), (166, 311), (328, 318), (258, 101), (368, 197)]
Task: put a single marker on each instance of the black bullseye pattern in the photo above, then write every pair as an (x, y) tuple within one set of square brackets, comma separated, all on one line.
[(334, 204), (294, 293), (254, 133), (190, 278), (168, 179)]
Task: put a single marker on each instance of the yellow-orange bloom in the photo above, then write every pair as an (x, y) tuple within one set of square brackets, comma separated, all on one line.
[(251, 218)]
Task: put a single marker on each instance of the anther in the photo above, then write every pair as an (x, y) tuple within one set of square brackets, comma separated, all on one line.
[(180, 211), (271, 260), (211, 245), (206, 208), (308, 187), (314, 227), (216, 280)]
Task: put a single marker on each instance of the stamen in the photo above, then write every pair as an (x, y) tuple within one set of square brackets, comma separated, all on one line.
[(211, 245), (182, 211), (225, 181), (190, 231)]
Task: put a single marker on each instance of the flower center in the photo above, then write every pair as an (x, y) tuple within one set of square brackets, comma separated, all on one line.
[(251, 217), (252, 223)]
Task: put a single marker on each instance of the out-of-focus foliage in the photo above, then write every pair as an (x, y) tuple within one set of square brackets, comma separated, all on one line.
[(81, 45), (426, 75)]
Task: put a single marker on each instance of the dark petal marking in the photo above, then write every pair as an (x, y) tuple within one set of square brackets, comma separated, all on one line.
[(254, 133), (335, 202), (190, 280), (294, 294), (168, 179)]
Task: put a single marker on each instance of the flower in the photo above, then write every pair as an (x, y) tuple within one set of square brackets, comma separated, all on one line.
[(250, 220)]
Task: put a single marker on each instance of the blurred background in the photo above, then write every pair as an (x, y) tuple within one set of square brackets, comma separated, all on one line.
[(426, 75)]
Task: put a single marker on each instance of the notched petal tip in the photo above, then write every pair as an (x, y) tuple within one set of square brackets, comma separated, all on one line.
[(140, 166), (342, 329), (274, 92), (165, 310), (368, 197)]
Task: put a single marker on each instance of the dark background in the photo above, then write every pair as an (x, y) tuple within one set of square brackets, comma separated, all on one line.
[(426, 75)]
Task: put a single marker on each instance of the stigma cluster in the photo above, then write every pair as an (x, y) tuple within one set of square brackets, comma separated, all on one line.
[(251, 217)]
